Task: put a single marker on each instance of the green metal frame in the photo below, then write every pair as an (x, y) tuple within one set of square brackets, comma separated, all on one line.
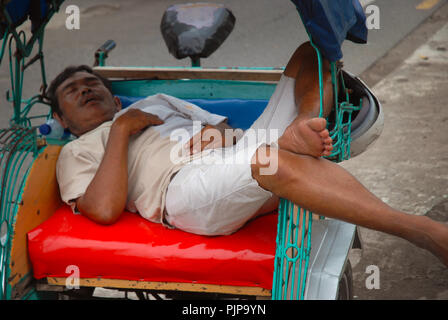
[(195, 88), (293, 250), (19, 143), (18, 150), (14, 39)]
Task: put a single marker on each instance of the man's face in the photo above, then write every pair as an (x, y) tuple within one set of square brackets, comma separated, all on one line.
[(85, 103)]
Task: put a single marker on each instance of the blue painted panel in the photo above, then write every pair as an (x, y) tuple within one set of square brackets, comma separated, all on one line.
[(240, 113)]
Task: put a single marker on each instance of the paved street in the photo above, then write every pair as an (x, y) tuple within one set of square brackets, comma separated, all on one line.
[(407, 167), (405, 62)]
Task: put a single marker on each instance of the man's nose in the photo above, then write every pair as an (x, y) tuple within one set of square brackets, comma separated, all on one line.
[(85, 90)]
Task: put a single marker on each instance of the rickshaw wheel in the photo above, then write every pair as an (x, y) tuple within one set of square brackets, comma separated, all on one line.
[(345, 291), (83, 293)]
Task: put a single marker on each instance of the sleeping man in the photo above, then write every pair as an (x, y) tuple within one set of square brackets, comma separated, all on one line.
[(129, 159)]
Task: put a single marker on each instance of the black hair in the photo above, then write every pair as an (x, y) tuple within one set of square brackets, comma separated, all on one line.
[(50, 93)]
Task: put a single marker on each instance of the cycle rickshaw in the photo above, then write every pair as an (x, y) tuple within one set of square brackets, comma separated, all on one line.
[(47, 252)]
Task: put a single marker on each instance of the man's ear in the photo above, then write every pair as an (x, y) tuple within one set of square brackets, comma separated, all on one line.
[(118, 103), (60, 119)]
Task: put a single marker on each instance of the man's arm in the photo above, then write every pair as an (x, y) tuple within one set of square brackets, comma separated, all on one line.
[(105, 197)]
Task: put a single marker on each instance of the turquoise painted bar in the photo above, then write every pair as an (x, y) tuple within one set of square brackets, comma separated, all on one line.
[(195, 89)]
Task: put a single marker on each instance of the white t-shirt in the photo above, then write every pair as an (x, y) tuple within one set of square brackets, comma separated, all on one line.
[(154, 155)]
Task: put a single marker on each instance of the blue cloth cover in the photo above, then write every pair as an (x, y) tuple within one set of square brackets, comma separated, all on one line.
[(240, 113), (330, 22), (20, 10)]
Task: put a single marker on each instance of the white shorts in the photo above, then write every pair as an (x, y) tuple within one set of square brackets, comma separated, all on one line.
[(216, 194)]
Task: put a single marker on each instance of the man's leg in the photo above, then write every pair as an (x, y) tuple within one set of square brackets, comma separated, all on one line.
[(322, 186), (329, 190), (307, 134)]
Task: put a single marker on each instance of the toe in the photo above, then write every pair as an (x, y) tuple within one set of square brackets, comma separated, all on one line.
[(327, 151), (324, 134), (328, 148), (317, 124), (328, 140)]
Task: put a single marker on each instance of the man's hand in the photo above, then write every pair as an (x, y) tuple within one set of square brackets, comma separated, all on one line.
[(211, 137), (135, 120)]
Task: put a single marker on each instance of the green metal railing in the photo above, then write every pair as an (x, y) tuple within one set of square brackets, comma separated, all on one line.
[(18, 144), (19, 49), (294, 227), (18, 150), (293, 251)]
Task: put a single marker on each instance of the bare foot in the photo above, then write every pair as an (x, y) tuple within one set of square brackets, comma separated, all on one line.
[(307, 137)]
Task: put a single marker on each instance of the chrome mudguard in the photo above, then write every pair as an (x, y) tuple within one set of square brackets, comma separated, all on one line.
[(331, 241)]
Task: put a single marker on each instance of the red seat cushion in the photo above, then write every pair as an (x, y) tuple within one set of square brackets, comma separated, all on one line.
[(136, 249)]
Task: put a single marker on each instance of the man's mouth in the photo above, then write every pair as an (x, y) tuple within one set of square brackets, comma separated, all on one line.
[(89, 99)]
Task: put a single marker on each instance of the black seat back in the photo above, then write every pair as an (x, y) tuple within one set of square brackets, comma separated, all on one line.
[(196, 30)]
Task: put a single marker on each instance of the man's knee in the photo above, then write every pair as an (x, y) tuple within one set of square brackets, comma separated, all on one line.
[(304, 52), (271, 167)]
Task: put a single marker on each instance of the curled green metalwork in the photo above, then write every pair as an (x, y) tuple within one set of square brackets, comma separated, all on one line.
[(18, 150), (18, 144), (292, 252), (19, 49)]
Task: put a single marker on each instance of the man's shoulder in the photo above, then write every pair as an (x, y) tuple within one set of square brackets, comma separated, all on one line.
[(90, 142), (92, 134), (69, 150), (99, 133)]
